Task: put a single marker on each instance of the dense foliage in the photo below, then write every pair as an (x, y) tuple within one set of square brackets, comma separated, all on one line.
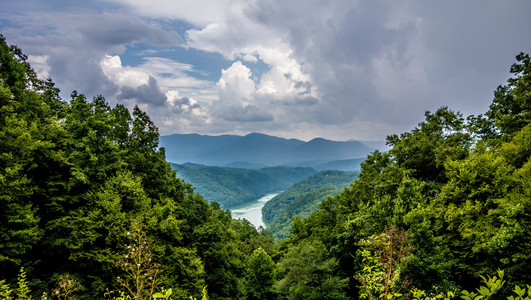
[(459, 190), (74, 178), (302, 199), (87, 200), (232, 186)]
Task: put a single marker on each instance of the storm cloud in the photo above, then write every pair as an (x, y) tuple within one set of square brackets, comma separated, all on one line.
[(337, 69)]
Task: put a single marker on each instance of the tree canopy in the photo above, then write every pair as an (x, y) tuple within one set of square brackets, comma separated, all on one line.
[(76, 175), (87, 197)]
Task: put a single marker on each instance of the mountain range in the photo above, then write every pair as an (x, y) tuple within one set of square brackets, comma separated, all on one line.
[(256, 150)]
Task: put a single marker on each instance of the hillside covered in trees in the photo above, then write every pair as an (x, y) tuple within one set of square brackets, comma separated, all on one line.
[(234, 186), (90, 208), (81, 182), (302, 199)]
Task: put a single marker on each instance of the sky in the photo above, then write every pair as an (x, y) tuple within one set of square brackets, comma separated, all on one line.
[(340, 70)]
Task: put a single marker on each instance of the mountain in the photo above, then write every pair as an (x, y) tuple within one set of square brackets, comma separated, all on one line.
[(231, 186), (348, 165), (257, 150), (303, 198)]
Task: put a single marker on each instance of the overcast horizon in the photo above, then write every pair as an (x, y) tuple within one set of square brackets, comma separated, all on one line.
[(339, 70)]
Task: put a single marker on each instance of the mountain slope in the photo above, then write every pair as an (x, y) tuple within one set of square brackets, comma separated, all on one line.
[(231, 186), (303, 198)]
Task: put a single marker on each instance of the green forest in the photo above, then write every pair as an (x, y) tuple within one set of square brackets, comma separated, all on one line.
[(230, 187), (302, 199), (90, 209)]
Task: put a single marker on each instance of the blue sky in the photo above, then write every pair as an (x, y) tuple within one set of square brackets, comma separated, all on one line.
[(297, 69)]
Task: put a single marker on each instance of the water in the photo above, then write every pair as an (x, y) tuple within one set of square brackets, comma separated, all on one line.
[(252, 211)]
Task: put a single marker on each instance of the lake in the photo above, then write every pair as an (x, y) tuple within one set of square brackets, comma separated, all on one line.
[(252, 211)]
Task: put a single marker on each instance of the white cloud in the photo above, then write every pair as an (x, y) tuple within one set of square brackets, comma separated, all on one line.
[(236, 84), (122, 76), (170, 76), (164, 89), (39, 63), (301, 67)]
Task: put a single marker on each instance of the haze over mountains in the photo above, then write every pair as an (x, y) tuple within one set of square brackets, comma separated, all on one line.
[(257, 150)]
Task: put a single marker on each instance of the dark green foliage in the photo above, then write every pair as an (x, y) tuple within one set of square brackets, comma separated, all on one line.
[(259, 275), (230, 187), (460, 191), (75, 176), (307, 272), (302, 199), (510, 110)]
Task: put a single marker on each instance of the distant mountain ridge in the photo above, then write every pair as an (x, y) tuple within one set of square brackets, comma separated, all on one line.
[(258, 150)]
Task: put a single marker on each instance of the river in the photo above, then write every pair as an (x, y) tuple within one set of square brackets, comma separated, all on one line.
[(252, 211)]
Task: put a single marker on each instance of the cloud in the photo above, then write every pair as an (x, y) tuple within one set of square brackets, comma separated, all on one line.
[(39, 64), (109, 30), (309, 100), (391, 61), (352, 69), (74, 42), (113, 69), (147, 93), (235, 83), (194, 12), (168, 75), (245, 113), (182, 104)]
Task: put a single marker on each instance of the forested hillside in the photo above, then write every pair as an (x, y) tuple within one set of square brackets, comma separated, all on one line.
[(89, 205), (230, 186), (450, 201), (90, 209), (302, 199)]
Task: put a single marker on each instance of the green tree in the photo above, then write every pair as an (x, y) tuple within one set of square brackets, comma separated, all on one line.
[(306, 272), (510, 110), (384, 259), (73, 176), (259, 275)]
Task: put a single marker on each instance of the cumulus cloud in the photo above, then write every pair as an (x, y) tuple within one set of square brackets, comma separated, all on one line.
[(352, 69), (388, 62), (74, 42), (147, 93), (236, 84), (241, 99), (113, 69), (39, 64), (182, 104), (236, 96), (165, 90)]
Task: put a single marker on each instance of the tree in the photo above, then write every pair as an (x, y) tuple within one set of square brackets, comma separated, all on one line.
[(384, 259), (510, 110), (307, 273), (259, 275)]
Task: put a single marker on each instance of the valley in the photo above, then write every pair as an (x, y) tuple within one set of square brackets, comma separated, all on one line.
[(94, 204), (253, 194), (245, 173), (230, 187)]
